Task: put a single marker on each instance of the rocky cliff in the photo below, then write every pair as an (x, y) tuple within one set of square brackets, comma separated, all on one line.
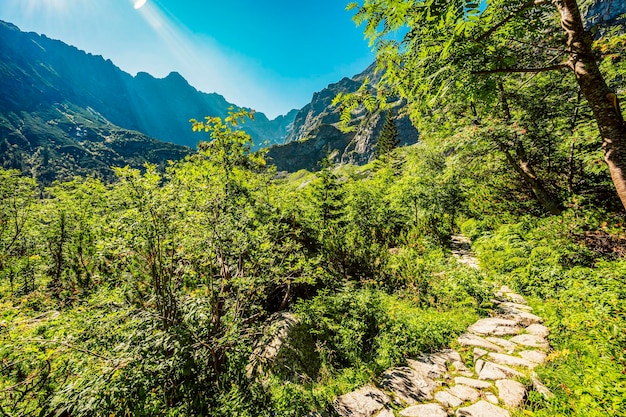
[(604, 13), (315, 130)]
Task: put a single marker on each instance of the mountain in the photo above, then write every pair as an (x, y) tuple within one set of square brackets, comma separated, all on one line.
[(53, 93), (315, 130), (604, 13)]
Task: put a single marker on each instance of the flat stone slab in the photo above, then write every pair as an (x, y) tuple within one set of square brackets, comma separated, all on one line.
[(482, 409), (492, 398), (386, 413), (471, 382), (408, 385), (364, 402), (492, 371), (460, 368), (523, 318), (516, 298), (506, 344), (465, 393), (503, 359), (424, 410), (435, 364), (479, 353), (538, 330), (427, 370), (536, 356), (495, 327), (447, 400), (530, 340), (524, 307), (512, 393), (469, 339)]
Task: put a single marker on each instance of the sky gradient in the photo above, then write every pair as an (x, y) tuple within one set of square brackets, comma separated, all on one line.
[(271, 56)]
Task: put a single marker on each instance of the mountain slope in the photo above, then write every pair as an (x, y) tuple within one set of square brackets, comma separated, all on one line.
[(37, 71), (315, 130)]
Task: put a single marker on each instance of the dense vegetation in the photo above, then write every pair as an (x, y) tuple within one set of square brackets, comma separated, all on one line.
[(155, 295)]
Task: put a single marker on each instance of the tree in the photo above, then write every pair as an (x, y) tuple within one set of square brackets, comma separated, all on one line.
[(388, 139), (454, 48)]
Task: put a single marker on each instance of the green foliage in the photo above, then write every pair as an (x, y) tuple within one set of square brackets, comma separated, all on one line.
[(388, 139), (358, 334), (581, 296)]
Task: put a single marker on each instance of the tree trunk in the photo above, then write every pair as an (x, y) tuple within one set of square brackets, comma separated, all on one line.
[(602, 100), (522, 166)]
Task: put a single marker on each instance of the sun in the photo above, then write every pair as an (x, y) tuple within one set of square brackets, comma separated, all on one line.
[(139, 4)]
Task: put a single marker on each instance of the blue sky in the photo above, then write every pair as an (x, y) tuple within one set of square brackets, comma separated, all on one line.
[(268, 55)]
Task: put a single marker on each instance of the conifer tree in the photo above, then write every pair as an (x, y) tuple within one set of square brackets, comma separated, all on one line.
[(388, 139)]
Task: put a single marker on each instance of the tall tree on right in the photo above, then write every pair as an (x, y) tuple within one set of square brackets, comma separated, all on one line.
[(462, 47)]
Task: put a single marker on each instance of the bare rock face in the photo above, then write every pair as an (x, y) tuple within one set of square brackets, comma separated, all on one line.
[(364, 402), (315, 130), (604, 13)]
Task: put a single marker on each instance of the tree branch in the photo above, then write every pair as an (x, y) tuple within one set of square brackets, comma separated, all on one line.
[(510, 17), (522, 70)]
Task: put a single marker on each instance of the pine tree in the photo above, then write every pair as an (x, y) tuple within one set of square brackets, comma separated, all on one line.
[(388, 139)]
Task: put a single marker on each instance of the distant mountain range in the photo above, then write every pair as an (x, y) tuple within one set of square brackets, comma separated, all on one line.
[(65, 112)]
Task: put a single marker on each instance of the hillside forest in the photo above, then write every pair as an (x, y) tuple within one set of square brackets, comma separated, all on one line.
[(163, 292)]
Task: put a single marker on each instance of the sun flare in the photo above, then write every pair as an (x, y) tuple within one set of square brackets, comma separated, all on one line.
[(139, 4)]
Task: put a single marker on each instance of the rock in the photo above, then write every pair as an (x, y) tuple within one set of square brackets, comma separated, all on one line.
[(523, 318), (468, 339), (447, 400), (428, 370), (540, 388), (479, 353), (365, 402), (460, 368), (503, 359), (479, 365), (470, 382), (267, 352), (386, 413), (535, 356), (530, 340), (504, 289), (492, 371), (523, 307), (465, 393), (482, 409), (511, 393), (538, 330), (424, 410), (506, 344), (436, 363), (495, 327), (408, 385), (516, 298), (492, 398)]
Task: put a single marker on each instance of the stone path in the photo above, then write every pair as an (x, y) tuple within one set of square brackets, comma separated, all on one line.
[(499, 352), (461, 249)]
